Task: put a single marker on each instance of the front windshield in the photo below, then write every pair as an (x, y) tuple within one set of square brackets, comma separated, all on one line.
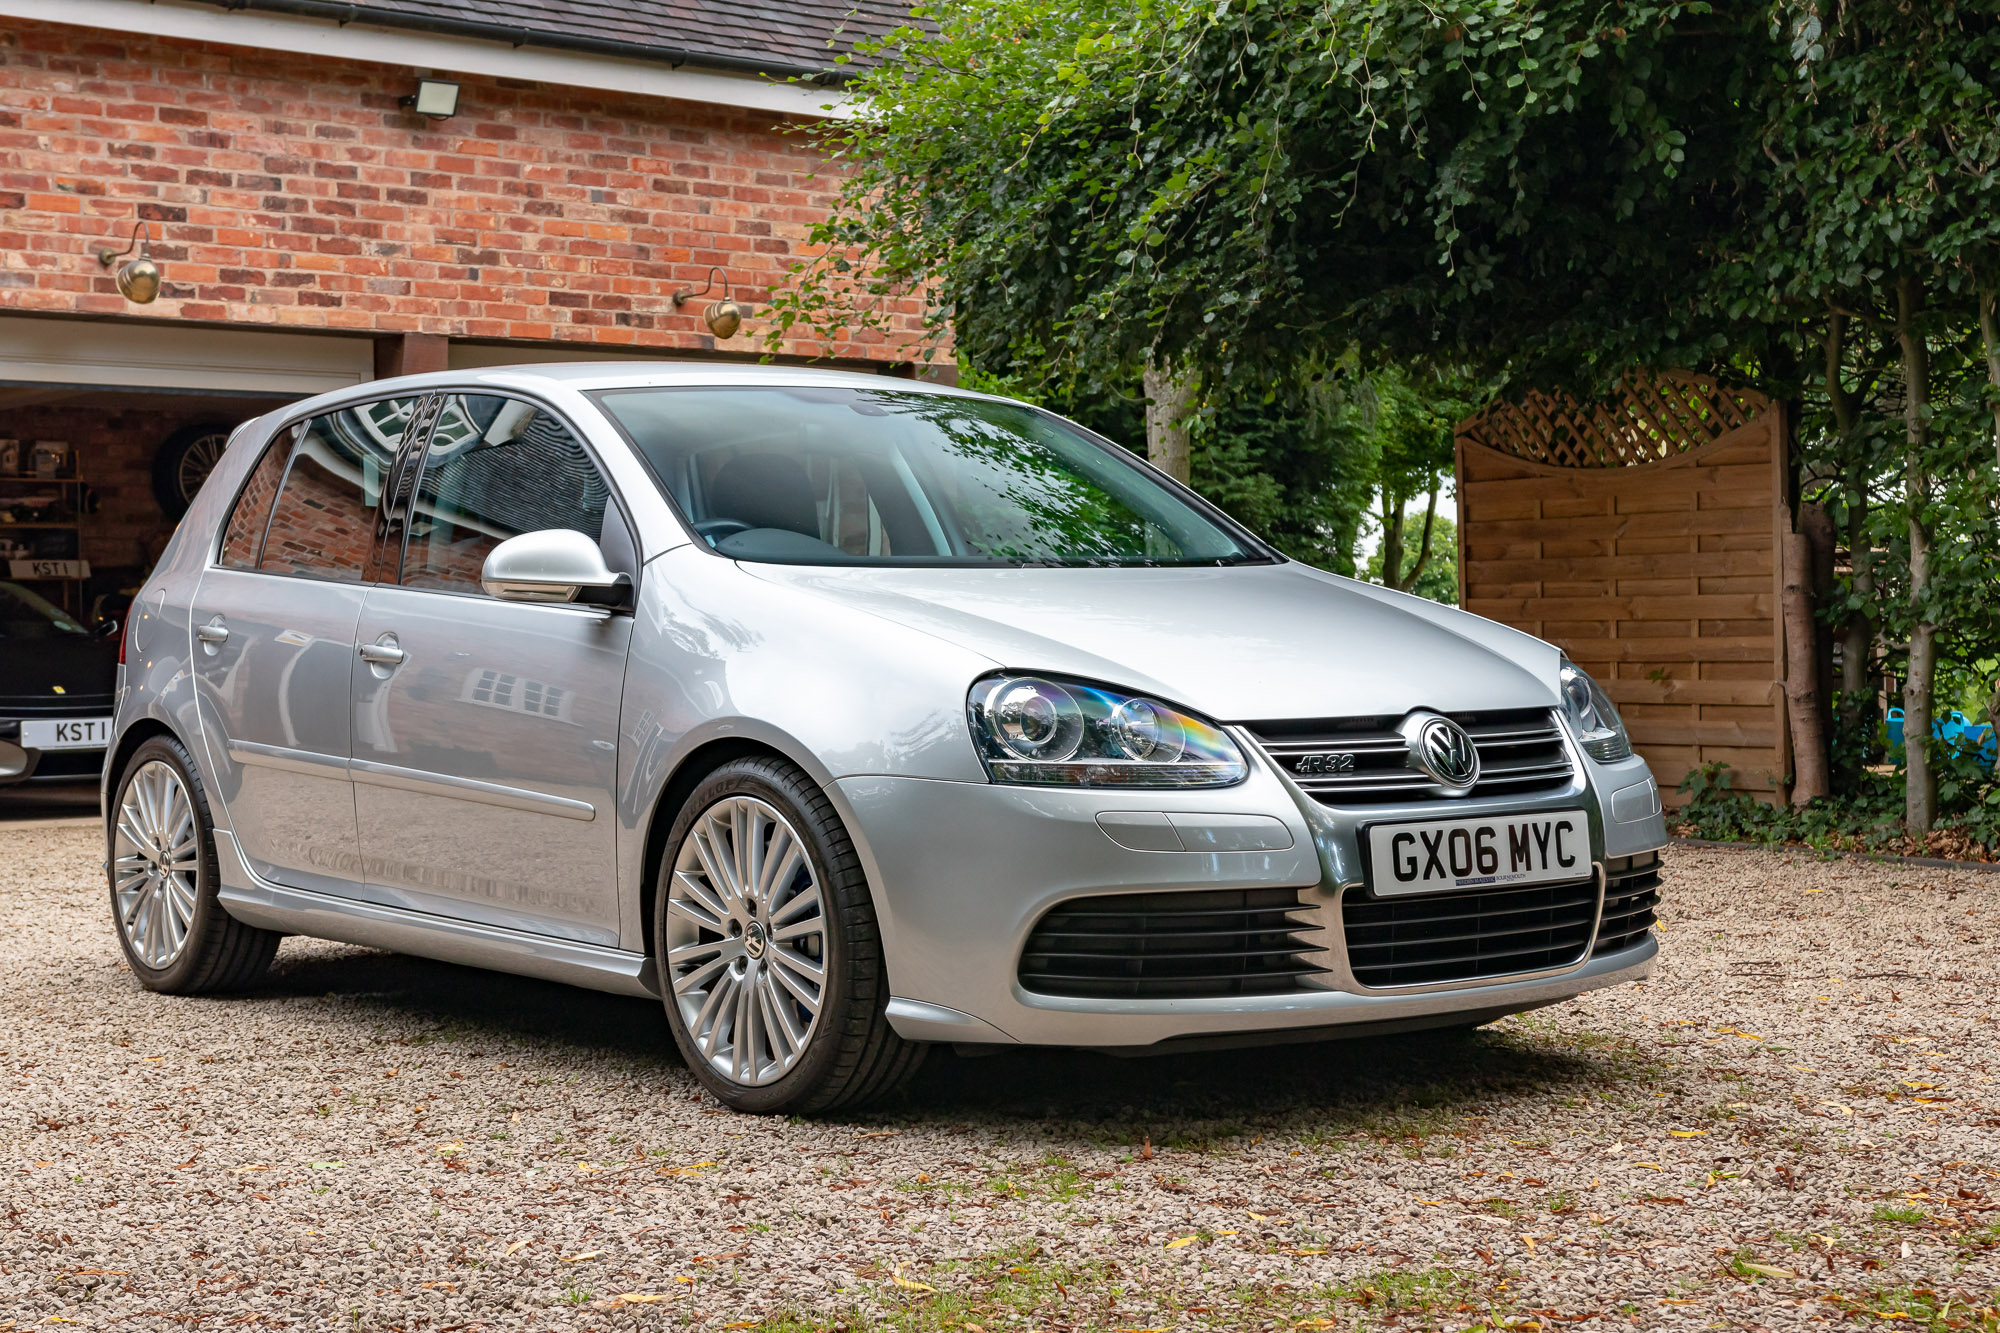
[(26, 615), (878, 476)]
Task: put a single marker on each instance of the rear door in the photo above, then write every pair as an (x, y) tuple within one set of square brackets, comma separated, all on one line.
[(486, 732), (273, 623)]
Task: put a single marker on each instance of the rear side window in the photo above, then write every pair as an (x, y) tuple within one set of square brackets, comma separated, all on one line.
[(495, 468), (324, 524), (244, 535)]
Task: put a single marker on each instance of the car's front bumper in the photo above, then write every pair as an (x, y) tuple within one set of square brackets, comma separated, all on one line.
[(966, 870), (20, 764)]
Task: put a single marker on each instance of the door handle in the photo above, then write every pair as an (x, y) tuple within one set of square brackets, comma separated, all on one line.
[(381, 654), (213, 632)]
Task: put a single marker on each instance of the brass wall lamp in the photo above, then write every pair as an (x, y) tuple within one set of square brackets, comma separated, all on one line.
[(723, 317), (138, 279)]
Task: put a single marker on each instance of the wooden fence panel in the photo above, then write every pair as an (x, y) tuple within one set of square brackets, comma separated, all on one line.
[(1641, 535)]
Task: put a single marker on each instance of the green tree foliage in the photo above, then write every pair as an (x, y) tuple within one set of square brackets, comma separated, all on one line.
[(1557, 191), (1438, 578)]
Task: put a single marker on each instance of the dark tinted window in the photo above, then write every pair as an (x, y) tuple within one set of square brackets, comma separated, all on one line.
[(245, 533), (28, 615), (324, 522), (495, 468), (837, 475)]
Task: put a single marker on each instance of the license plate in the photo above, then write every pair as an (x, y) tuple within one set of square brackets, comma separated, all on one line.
[(1442, 854), (82, 733)]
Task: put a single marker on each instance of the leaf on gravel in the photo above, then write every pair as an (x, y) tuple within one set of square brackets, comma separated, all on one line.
[(1316, 1323), (1920, 1087), (446, 1149), (327, 1166), (625, 1298), (588, 1168), (1180, 1241), (1687, 1133), (579, 1258), (1767, 1270), (1650, 1166), (517, 1245), (694, 1170), (1844, 1110), (909, 1284), (1314, 1251), (744, 1323), (238, 1170), (1802, 1069)]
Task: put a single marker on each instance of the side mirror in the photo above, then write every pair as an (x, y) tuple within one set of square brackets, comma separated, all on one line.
[(554, 565), (108, 627)]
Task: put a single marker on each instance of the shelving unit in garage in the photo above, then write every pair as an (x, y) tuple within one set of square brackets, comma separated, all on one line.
[(41, 529)]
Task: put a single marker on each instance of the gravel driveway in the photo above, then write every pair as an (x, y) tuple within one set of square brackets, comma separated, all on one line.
[(1793, 1124)]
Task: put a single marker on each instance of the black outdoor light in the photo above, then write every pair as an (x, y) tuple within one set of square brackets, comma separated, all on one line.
[(436, 98)]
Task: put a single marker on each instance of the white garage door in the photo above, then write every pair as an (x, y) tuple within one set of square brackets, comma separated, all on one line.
[(165, 355)]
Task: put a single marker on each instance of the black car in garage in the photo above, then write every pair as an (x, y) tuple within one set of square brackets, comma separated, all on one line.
[(56, 682)]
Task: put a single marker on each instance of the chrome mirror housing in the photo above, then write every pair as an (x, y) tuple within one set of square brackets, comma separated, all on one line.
[(553, 565)]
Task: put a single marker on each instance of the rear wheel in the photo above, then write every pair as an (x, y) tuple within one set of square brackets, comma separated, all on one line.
[(769, 953), (175, 934)]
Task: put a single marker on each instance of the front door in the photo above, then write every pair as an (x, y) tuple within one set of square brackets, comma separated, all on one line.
[(486, 732), (273, 627)]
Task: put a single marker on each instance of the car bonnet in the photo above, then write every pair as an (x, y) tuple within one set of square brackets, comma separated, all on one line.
[(1244, 643)]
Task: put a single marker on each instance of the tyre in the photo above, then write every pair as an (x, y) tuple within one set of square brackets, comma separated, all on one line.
[(769, 955), (183, 461), (162, 871)]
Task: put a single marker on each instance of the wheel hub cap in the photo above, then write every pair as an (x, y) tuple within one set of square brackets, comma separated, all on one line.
[(745, 947), (155, 849)]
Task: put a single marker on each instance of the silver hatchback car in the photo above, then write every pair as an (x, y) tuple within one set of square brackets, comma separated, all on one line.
[(846, 716)]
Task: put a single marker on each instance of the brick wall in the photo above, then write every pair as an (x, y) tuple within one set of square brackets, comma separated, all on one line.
[(115, 437), (296, 194)]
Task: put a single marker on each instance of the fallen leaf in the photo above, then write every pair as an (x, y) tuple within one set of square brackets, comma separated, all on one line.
[(327, 1166), (1431, 1203), (908, 1284), (625, 1298), (238, 1170), (1184, 1240), (1314, 1251), (579, 1258), (1844, 1110), (1650, 1166), (588, 1168), (446, 1149), (1669, 1300), (517, 1245), (1687, 1133), (1765, 1270), (1803, 1069), (1920, 1087)]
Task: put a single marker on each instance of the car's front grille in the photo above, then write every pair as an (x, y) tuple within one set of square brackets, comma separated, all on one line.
[(1429, 938), (1170, 945), (66, 705), (1364, 761), (1631, 894)]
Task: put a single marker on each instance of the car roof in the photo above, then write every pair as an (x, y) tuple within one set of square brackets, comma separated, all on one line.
[(588, 376)]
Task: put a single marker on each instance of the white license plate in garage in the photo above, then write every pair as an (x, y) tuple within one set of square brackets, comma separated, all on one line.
[(1442, 854), (83, 733)]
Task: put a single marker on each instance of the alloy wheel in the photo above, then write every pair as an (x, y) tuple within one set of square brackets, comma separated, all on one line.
[(199, 460), (156, 850), (746, 933)]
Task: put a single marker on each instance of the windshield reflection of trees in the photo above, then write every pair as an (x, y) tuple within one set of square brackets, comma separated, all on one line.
[(1037, 507)]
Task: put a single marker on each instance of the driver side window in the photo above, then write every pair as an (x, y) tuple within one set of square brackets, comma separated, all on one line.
[(495, 468)]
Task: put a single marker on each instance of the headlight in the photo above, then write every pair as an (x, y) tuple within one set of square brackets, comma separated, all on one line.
[(1042, 732), (1593, 716)]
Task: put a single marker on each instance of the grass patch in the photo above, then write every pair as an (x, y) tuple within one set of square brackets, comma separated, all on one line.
[(1907, 1214), (1922, 1308)]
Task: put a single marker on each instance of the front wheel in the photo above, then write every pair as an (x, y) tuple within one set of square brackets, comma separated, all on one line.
[(175, 934), (769, 955)]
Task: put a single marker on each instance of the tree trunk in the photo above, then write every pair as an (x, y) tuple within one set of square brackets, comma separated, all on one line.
[(1802, 693), (1409, 580), (1989, 332), (1857, 646), (1919, 782), (1169, 405)]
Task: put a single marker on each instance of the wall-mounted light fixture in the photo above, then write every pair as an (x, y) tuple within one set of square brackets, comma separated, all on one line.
[(723, 317), (436, 98), (138, 279)]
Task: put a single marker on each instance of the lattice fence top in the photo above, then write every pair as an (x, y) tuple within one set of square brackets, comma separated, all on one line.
[(1648, 418)]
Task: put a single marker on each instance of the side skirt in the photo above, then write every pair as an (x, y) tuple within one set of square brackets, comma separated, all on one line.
[(258, 902)]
